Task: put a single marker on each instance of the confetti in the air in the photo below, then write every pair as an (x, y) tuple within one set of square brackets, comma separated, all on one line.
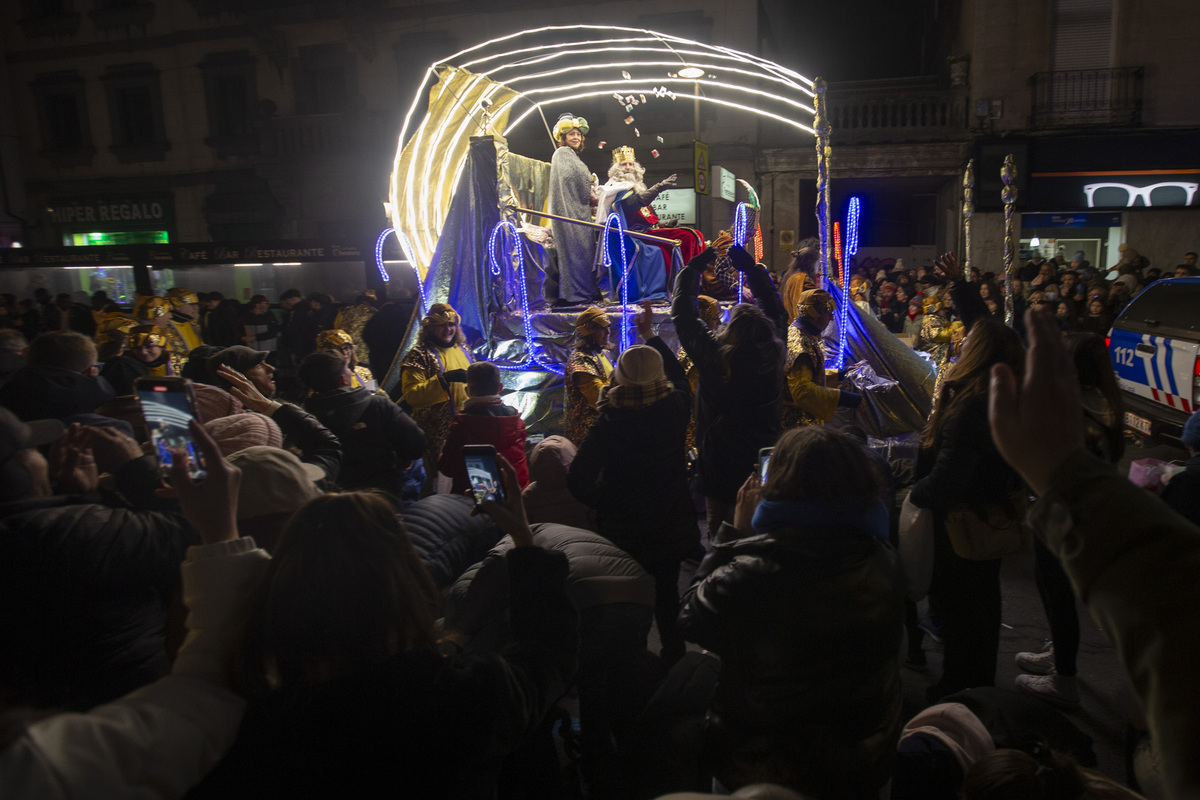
[(671, 95), (629, 108), (625, 75), (654, 153), (637, 133), (628, 120), (672, 75), (660, 139), (601, 145), (617, 97), (642, 97)]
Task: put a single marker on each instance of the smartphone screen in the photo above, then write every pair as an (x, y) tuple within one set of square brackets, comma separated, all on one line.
[(167, 407), (483, 474), (764, 458)]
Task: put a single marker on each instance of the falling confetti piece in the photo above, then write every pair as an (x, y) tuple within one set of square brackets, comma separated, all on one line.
[(671, 95), (672, 75), (642, 97), (601, 145), (625, 75), (660, 139), (617, 96), (636, 132), (654, 153), (629, 108), (628, 120)]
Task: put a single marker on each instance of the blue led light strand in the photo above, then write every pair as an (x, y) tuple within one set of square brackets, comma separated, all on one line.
[(518, 263), (852, 216), (741, 216), (379, 254), (407, 249), (606, 256)]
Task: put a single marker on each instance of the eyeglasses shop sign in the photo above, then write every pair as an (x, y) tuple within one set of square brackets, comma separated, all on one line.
[(678, 205)]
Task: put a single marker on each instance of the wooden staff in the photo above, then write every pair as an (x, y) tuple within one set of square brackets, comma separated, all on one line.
[(645, 236)]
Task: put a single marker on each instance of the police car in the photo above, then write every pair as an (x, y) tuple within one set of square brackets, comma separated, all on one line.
[(1155, 349)]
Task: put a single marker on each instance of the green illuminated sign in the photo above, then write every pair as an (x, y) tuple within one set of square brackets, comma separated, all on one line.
[(116, 237)]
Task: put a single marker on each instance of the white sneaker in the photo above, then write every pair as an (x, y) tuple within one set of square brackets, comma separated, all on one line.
[(1037, 663), (1061, 690)]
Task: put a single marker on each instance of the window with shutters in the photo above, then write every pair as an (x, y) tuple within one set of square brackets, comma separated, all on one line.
[(231, 96), (61, 99), (135, 113)]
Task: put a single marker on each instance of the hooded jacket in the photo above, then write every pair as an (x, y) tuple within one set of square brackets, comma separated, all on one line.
[(37, 392), (547, 498), (484, 420), (378, 439)]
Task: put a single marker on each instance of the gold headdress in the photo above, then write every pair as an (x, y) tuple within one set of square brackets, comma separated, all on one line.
[(149, 308), (623, 153), (565, 123), (815, 302), (710, 310), (591, 319), (333, 339), (146, 334), (181, 297), (112, 324), (440, 314)]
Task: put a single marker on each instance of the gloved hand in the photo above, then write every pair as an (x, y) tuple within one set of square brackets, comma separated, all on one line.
[(740, 259), (455, 375), (668, 183), (849, 399)]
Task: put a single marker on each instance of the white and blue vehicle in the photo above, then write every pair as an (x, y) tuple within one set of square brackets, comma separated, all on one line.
[(1155, 350)]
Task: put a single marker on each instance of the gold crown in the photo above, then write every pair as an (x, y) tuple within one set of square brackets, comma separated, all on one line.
[(623, 154)]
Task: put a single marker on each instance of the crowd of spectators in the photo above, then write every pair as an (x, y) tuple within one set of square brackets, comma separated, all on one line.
[(305, 621)]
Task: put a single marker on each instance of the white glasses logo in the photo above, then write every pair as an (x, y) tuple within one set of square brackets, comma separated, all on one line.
[(1132, 193)]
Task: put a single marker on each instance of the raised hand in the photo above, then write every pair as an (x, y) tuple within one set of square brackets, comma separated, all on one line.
[(241, 388), (509, 515), (947, 266), (211, 505), (1048, 401)]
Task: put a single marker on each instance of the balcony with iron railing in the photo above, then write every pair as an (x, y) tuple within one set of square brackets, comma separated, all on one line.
[(915, 109), (1081, 97)]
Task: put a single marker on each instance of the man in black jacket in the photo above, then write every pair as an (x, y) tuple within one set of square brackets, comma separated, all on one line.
[(58, 380), (378, 439)]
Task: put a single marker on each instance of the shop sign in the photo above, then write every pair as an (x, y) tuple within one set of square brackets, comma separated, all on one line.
[(1117, 189), (678, 205), (111, 210), (236, 252), (726, 183)]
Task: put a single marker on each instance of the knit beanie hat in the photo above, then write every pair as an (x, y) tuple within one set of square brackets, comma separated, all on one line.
[(639, 365), (213, 403), (240, 431), (274, 481)]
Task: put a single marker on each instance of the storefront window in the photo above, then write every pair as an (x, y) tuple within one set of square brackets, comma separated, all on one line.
[(342, 280), (80, 282)]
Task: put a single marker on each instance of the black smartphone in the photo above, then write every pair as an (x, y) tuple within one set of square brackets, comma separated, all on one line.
[(168, 405), (764, 458), (483, 473)]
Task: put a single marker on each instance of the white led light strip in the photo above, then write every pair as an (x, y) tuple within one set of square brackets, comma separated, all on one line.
[(428, 168)]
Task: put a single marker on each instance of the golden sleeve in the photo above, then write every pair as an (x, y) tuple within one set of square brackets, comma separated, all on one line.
[(421, 390), (815, 399), (589, 386)]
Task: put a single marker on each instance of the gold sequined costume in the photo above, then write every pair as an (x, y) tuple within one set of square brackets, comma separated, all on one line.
[(581, 401), (352, 319)]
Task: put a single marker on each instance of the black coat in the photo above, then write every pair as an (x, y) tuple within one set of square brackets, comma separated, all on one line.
[(384, 334), (84, 590), (1182, 494), (807, 622), (378, 439), (632, 469), (737, 412), (40, 392), (418, 725)]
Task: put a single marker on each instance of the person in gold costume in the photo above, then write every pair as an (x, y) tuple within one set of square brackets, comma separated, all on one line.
[(588, 371), (353, 318), (799, 277), (808, 401), (184, 334), (433, 379), (148, 356), (340, 341), (155, 312)]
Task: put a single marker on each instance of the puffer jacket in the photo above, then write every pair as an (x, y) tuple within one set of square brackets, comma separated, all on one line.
[(809, 698), (446, 537), (737, 412), (631, 468)]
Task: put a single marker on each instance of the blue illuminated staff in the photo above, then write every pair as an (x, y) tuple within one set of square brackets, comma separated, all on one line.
[(614, 220)]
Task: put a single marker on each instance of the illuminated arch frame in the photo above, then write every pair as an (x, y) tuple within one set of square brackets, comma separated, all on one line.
[(510, 65)]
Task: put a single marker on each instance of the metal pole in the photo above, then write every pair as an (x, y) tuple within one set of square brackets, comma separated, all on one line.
[(1008, 174), (968, 211), (821, 125), (635, 234)]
